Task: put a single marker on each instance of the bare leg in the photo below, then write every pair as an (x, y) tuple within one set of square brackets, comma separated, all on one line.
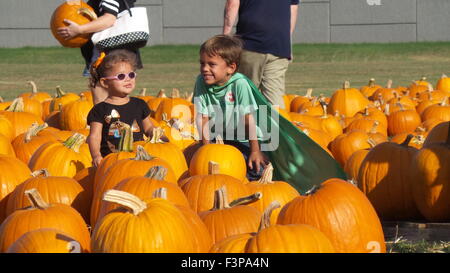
[(99, 94)]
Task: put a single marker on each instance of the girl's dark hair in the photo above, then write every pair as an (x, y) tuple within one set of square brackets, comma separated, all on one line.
[(227, 47), (112, 57)]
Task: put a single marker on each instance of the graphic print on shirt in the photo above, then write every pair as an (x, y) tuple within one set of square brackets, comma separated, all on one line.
[(135, 127), (115, 125), (229, 97)]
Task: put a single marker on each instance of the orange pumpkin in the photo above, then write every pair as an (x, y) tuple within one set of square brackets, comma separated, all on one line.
[(142, 231), (19, 119), (403, 121), (45, 240), (342, 212), (6, 128), (5, 147), (44, 215), (73, 115), (443, 83), (370, 88), (438, 134), (383, 177), (346, 144), (61, 158), (76, 11), (348, 101)]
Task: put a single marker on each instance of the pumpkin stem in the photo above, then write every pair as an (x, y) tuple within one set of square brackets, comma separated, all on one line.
[(213, 168), (389, 84), (309, 93), (160, 193), (444, 76), (59, 92), (33, 87), (44, 172), (143, 91), (190, 96), (371, 142), (158, 132), (126, 199), (324, 108), (444, 101), (219, 139), (267, 175), (142, 154), (1, 99), (17, 105), (371, 82), (156, 172), (386, 110), (36, 199), (73, 247), (161, 94), (373, 130), (221, 199), (126, 138), (346, 85), (407, 140), (75, 141), (175, 93), (34, 131), (430, 87), (265, 218), (88, 13), (246, 199), (313, 190)]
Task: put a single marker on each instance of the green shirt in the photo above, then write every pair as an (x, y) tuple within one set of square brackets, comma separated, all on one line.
[(226, 106)]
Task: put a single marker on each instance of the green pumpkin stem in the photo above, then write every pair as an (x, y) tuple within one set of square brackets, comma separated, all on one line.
[(75, 141), (126, 139), (128, 200), (313, 190), (267, 175), (34, 130), (346, 85), (17, 105), (59, 92), (371, 82), (158, 132), (36, 199), (265, 218), (42, 172), (246, 200), (142, 154), (156, 172), (160, 193)]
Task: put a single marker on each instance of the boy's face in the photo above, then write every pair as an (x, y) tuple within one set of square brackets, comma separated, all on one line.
[(215, 70)]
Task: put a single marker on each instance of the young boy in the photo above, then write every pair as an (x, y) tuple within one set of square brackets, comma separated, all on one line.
[(225, 103)]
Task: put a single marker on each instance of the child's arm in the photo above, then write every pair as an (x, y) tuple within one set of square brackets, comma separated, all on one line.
[(256, 157), (148, 127), (203, 128), (94, 140)]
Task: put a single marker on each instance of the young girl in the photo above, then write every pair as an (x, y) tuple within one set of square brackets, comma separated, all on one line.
[(219, 90), (115, 73)]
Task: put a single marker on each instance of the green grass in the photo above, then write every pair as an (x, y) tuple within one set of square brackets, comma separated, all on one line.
[(320, 66), (405, 246)]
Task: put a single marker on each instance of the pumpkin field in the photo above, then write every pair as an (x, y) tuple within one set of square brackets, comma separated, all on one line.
[(382, 111)]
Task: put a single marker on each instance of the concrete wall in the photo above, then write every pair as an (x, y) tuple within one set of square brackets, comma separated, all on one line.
[(26, 22)]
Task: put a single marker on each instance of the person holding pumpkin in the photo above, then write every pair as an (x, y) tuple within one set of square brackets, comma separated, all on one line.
[(106, 11), (223, 96), (115, 73)]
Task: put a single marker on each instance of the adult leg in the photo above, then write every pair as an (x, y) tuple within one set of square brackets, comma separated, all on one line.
[(273, 80), (251, 65)]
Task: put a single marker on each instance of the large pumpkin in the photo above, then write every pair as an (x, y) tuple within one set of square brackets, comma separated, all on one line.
[(40, 96), (73, 115), (342, 212), (76, 11), (44, 215), (443, 83), (19, 119), (61, 159), (430, 175), (279, 191), (153, 226), (53, 189), (439, 133), (384, 178), (348, 101), (230, 159)]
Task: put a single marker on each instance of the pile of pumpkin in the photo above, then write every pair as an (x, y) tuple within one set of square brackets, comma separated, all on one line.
[(179, 196)]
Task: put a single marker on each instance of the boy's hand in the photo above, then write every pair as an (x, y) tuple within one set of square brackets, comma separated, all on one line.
[(256, 159), (97, 160)]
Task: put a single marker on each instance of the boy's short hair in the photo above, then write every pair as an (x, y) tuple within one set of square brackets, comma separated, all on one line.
[(227, 47)]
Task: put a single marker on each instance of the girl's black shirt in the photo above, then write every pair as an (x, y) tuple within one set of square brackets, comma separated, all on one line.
[(131, 113)]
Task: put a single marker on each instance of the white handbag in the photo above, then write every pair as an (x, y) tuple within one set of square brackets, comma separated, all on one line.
[(129, 31)]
